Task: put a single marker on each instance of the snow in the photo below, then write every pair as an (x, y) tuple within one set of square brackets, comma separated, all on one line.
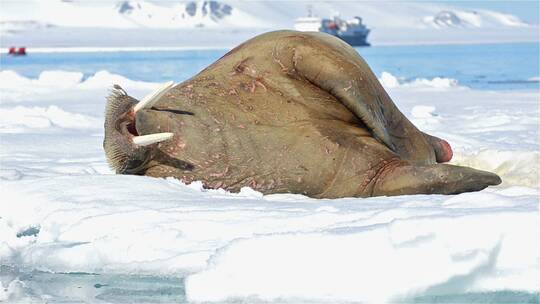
[(131, 14), (472, 19), (375, 262), (20, 118), (390, 81), (63, 210)]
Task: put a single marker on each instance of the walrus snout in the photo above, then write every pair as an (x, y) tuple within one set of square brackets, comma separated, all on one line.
[(126, 149)]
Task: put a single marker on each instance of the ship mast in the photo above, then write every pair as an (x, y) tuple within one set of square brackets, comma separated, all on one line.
[(309, 10)]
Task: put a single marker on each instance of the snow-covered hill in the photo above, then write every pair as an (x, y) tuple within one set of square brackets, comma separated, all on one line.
[(475, 19), (390, 22), (131, 14), (188, 14), (234, 13)]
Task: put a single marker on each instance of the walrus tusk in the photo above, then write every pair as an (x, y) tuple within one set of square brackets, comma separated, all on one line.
[(146, 140), (151, 98)]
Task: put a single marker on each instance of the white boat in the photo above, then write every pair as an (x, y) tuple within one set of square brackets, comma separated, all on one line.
[(353, 31)]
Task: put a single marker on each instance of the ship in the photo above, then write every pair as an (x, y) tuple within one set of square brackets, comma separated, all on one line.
[(353, 31)]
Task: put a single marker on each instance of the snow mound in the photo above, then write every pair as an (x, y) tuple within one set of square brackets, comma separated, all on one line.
[(13, 27), (104, 78), (423, 112), (516, 167), (472, 19), (16, 88), (390, 81), (437, 83), (423, 116), (58, 80), (10, 174), (12, 292), (19, 119), (376, 264)]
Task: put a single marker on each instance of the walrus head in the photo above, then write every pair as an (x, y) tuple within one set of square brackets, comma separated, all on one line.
[(127, 151)]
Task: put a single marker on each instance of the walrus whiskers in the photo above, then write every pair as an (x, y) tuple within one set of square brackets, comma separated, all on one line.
[(151, 98), (145, 140)]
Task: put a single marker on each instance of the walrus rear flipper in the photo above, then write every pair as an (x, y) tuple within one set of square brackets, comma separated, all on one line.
[(433, 179)]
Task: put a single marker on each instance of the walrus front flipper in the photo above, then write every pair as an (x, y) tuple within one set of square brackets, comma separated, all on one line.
[(345, 82), (433, 179), (335, 67)]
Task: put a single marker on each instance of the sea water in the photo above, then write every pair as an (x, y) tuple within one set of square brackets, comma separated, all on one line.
[(480, 66)]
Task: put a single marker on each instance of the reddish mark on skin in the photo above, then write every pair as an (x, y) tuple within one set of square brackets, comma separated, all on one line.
[(219, 184), (241, 126), (215, 120), (240, 67), (220, 174), (379, 172), (259, 82), (283, 68)]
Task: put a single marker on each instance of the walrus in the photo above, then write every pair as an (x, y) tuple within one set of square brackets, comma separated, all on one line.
[(284, 112)]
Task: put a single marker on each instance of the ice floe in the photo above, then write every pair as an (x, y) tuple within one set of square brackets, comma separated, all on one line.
[(63, 210)]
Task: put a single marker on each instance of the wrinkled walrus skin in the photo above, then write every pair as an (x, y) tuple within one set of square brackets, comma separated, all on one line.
[(286, 112)]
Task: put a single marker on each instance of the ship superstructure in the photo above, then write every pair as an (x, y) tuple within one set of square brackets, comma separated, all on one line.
[(353, 31)]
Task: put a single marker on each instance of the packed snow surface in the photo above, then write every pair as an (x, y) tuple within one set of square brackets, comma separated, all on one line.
[(63, 210)]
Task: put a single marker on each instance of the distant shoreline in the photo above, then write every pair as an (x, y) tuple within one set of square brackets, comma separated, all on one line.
[(102, 49), (106, 49), (63, 39)]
